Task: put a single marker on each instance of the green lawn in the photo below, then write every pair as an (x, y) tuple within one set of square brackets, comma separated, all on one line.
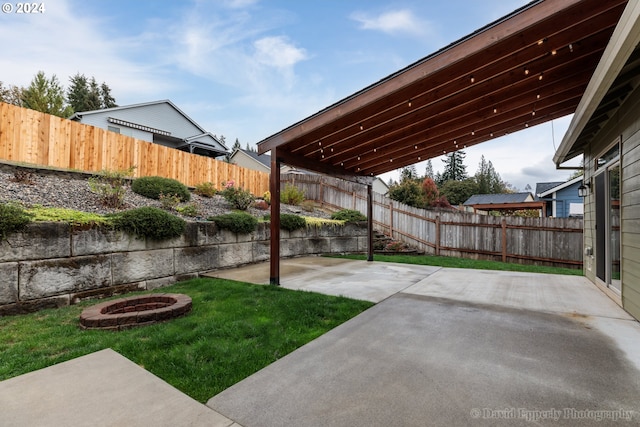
[(443, 261), (234, 330)]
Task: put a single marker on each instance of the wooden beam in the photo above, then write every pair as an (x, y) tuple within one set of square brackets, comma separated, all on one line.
[(315, 166), (274, 188), (543, 18), (369, 222)]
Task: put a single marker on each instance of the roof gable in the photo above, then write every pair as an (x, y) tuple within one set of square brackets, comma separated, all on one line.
[(550, 190), (490, 199), (155, 114)]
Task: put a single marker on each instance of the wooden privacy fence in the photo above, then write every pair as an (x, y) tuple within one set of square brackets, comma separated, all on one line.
[(28, 136), (549, 241)]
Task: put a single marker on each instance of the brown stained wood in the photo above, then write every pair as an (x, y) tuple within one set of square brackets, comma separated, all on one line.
[(32, 137), (274, 227), (418, 112)]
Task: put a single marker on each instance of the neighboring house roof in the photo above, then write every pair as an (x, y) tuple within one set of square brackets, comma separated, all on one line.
[(491, 199), (558, 187), (542, 187), (263, 159), (203, 139)]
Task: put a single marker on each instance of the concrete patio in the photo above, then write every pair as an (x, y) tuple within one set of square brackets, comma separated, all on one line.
[(441, 347)]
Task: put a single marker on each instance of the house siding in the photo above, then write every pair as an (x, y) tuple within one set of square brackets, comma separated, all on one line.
[(564, 198), (160, 116), (247, 162), (624, 125), (101, 121)]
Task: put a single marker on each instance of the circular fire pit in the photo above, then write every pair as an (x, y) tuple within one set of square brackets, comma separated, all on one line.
[(140, 310)]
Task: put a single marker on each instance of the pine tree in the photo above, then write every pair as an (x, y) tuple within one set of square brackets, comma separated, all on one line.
[(408, 173), (428, 171), (78, 93), (454, 167), (487, 179), (93, 100), (106, 99), (46, 95), (87, 95)]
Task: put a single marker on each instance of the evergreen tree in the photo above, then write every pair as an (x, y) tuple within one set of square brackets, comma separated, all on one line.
[(106, 99), (454, 167), (93, 99), (428, 171), (78, 92), (408, 173), (87, 95), (46, 95), (457, 192), (488, 180)]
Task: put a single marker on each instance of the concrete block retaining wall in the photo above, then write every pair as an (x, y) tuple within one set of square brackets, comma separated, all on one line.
[(54, 264)]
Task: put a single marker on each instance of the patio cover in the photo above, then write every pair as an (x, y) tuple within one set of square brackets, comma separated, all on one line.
[(527, 68)]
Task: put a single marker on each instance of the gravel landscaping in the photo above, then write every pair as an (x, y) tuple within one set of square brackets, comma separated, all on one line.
[(71, 190)]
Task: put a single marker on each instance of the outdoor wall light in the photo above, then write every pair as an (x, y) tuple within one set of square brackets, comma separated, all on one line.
[(583, 190)]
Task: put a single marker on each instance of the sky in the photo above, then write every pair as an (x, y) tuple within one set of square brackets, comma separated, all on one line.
[(246, 69)]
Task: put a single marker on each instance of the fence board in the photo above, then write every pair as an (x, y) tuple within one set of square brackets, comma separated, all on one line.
[(28, 136), (552, 241)]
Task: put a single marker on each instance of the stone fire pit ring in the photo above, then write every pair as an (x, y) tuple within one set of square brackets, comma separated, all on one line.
[(141, 310)]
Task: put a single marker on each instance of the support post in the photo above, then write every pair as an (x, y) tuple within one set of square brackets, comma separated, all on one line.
[(274, 188), (437, 248), (370, 222)]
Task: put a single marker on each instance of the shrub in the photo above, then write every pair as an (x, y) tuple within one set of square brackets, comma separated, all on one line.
[(292, 222), (308, 205), (408, 192), (205, 189), (238, 198), (291, 195), (110, 186), (348, 215), (169, 201), (396, 246), (12, 218), (149, 222), (189, 210), (267, 197), (153, 186), (238, 222)]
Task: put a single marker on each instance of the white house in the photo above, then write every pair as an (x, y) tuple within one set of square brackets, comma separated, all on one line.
[(160, 122)]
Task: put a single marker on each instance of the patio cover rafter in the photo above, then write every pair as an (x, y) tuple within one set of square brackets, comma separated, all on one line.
[(522, 70), (527, 68)]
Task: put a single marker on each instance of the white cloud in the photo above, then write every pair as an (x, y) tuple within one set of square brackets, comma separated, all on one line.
[(393, 22), (239, 4), (278, 52), (64, 42)]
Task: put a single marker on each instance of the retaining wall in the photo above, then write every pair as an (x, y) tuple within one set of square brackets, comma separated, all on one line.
[(54, 264)]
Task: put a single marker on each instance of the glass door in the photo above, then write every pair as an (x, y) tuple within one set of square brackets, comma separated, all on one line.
[(613, 258), (607, 210)]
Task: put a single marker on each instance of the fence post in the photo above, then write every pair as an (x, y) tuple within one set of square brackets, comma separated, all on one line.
[(391, 218), (353, 196), (321, 194), (504, 240), (437, 235)]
